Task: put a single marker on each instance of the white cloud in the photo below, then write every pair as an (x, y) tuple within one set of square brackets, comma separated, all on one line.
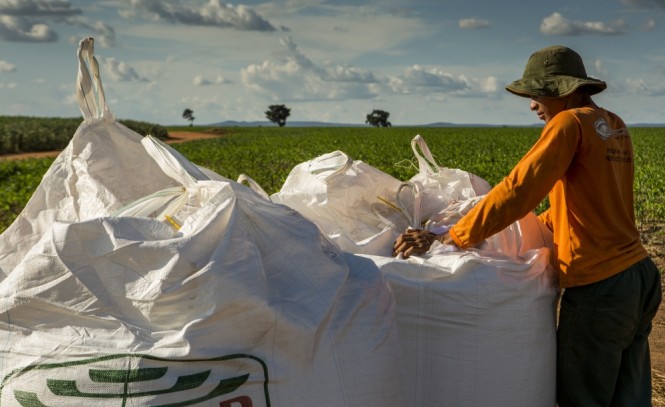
[(199, 80), (13, 28), (556, 24), (103, 33), (214, 13), (120, 71), (345, 73), (6, 66), (290, 75), (473, 23), (221, 80), (418, 79), (31, 20), (640, 86), (600, 67), (60, 8), (488, 85)]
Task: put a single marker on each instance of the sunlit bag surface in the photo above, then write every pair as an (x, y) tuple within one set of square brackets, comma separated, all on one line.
[(134, 277)]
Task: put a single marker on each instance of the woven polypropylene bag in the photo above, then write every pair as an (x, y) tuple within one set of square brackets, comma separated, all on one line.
[(478, 326), (352, 202), (136, 278)]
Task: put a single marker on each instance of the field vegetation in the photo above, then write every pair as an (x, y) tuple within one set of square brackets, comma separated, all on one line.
[(20, 134), (267, 154)]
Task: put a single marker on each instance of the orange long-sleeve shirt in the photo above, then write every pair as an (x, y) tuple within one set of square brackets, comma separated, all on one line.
[(584, 161)]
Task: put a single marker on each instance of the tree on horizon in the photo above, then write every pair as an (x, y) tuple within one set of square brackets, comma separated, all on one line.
[(188, 114), (278, 114), (378, 118)]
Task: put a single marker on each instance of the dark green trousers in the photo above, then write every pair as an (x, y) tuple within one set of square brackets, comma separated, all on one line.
[(602, 340)]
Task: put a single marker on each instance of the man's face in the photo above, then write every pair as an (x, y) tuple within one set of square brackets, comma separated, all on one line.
[(546, 108)]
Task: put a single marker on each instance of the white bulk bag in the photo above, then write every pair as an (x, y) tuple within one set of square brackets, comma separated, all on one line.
[(101, 169), (478, 327), (207, 294), (434, 187), (362, 208), (352, 202), (247, 291)]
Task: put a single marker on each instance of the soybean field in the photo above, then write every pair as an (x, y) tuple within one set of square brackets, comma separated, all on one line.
[(267, 154)]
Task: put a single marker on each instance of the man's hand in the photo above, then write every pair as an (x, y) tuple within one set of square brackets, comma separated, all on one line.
[(416, 241)]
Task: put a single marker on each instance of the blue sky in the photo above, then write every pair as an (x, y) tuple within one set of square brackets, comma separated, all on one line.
[(423, 61)]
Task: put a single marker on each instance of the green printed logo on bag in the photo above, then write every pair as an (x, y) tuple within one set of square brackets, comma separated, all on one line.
[(237, 380)]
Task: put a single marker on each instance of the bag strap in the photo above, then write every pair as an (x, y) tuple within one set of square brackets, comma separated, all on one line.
[(337, 162), (174, 164), (89, 90), (426, 162), (416, 189), (253, 185)]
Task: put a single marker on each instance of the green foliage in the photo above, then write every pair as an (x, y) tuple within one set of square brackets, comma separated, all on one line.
[(649, 145), (188, 114), (19, 134), (18, 180), (378, 118), (267, 154), (146, 128), (23, 134), (278, 114)]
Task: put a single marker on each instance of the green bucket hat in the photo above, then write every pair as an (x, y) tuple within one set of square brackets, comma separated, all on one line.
[(554, 71)]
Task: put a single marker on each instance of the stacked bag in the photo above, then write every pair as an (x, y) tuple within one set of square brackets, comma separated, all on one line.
[(134, 277)]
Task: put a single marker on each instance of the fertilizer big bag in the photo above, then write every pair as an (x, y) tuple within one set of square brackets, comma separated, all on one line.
[(134, 277), (364, 209), (477, 327)]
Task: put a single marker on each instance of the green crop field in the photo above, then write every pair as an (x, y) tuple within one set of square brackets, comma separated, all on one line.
[(268, 155), (28, 134)]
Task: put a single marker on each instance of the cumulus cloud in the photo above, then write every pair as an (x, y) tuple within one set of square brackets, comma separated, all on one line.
[(221, 80), (6, 66), (473, 23), (346, 73), (556, 24), (32, 20), (214, 13), (290, 75), (120, 71), (104, 34), (52, 8), (419, 79), (199, 80), (14, 28)]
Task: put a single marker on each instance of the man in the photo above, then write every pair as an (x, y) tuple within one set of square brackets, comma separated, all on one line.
[(584, 161)]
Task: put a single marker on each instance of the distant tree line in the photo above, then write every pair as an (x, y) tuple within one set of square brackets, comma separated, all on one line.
[(279, 113)]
